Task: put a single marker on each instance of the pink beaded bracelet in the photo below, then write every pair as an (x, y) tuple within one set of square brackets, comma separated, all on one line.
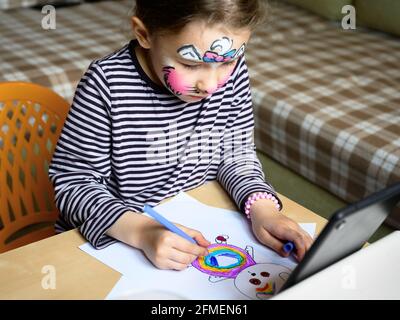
[(260, 195)]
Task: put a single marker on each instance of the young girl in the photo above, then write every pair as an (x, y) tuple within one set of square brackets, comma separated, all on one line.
[(167, 112)]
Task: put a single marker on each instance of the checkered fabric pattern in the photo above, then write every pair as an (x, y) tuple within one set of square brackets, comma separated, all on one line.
[(286, 21), (327, 102), (12, 4), (58, 58)]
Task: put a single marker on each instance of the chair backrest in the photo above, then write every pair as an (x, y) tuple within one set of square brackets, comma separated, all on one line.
[(31, 120)]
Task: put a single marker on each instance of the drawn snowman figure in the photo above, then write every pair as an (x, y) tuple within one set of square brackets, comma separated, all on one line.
[(254, 280)]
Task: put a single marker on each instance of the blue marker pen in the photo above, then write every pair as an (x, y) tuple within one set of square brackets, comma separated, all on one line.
[(288, 247), (169, 225)]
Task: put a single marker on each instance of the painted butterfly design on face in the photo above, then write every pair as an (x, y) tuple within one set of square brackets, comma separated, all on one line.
[(220, 51)]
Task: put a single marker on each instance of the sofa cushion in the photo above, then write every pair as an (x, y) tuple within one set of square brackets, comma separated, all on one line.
[(383, 15), (15, 4), (288, 21), (58, 58), (327, 106), (326, 8)]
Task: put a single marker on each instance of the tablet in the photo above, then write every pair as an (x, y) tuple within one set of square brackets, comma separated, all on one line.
[(346, 232)]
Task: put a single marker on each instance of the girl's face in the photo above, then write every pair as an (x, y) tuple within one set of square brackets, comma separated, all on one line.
[(199, 60)]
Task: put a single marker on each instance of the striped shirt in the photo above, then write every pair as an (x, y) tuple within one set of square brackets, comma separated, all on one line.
[(128, 141)]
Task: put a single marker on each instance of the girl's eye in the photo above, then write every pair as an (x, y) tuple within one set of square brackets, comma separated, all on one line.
[(229, 63), (191, 66), (197, 66)]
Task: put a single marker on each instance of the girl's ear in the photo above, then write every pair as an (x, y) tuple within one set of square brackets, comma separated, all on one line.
[(141, 32)]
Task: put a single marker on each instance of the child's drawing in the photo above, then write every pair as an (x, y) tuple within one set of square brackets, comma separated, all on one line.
[(254, 280)]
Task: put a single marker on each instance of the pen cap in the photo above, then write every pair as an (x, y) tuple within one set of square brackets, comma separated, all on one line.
[(288, 247)]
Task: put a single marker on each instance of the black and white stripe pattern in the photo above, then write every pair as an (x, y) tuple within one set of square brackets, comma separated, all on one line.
[(127, 141)]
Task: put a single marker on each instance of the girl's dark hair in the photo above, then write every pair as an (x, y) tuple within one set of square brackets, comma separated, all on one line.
[(169, 16)]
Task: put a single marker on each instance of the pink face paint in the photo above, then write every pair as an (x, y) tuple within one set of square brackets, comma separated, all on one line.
[(225, 79), (174, 82), (177, 86), (210, 56)]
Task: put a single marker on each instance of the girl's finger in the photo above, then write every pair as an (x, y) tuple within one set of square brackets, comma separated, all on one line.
[(185, 246), (197, 235), (307, 240), (296, 237), (201, 240), (296, 234), (181, 257), (269, 240), (173, 265)]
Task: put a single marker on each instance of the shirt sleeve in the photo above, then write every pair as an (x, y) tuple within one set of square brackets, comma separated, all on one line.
[(240, 171), (81, 164)]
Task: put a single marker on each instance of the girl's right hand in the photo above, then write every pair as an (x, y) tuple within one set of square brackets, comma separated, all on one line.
[(167, 250)]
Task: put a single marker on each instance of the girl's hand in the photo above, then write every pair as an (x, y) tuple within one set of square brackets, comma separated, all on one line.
[(167, 250), (273, 229)]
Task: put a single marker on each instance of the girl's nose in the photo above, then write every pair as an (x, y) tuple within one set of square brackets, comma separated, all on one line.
[(208, 85)]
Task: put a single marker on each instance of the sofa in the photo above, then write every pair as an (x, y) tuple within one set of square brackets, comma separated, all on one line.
[(326, 100), (57, 58)]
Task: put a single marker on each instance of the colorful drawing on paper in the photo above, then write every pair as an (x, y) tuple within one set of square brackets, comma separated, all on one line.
[(235, 260), (254, 280)]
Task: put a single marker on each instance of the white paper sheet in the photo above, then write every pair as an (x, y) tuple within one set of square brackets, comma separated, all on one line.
[(141, 280)]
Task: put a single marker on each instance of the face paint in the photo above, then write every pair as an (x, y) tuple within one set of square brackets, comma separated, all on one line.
[(220, 51), (176, 84), (173, 81), (183, 83), (190, 52)]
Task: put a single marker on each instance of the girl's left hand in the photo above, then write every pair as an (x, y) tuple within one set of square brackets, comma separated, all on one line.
[(273, 229)]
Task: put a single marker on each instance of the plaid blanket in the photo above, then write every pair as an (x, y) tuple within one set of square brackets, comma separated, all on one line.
[(14, 4), (327, 102), (58, 58)]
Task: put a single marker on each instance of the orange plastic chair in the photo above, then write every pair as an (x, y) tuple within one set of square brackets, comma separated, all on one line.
[(31, 120)]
